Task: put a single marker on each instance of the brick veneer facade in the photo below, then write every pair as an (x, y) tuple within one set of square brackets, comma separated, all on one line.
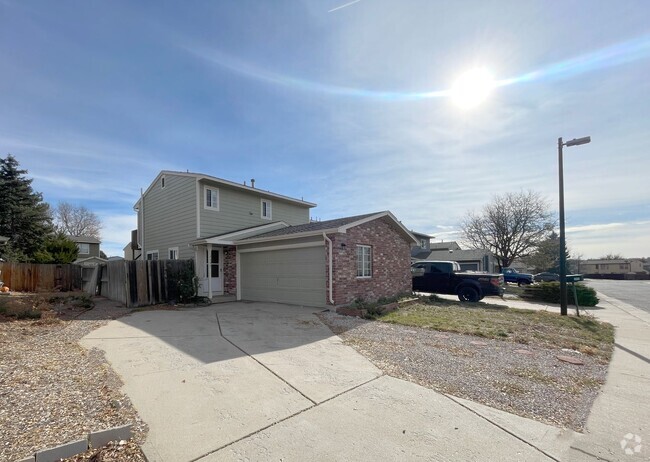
[(391, 263), (230, 270)]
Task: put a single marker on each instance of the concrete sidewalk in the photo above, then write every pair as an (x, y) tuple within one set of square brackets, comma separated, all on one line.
[(621, 414)]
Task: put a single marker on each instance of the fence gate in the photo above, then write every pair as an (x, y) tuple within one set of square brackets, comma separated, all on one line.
[(140, 282)]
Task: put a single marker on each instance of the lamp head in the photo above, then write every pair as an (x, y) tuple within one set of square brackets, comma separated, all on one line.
[(578, 141)]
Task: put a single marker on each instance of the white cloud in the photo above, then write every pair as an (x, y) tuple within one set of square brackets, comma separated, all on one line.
[(593, 241)]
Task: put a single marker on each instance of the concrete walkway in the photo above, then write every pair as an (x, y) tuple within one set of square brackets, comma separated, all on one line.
[(260, 381)]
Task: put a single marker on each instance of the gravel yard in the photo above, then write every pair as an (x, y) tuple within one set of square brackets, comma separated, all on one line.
[(52, 390), (527, 380)]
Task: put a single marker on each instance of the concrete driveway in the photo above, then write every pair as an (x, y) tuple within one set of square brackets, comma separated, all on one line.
[(259, 381)]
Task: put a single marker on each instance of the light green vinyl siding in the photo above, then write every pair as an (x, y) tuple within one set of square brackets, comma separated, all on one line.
[(170, 216), (242, 209)]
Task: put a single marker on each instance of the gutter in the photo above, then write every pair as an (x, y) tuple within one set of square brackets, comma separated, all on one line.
[(330, 268)]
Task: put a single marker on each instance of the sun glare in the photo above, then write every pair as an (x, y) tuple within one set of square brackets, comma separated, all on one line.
[(472, 88)]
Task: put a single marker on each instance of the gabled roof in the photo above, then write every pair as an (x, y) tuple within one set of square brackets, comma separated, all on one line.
[(89, 261), (232, 184), (421, 235), (85, 239), (339, 225)]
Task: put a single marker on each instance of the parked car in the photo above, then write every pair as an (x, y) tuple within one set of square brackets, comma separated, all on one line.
[(546, 277), (446, 277), (512, 275)]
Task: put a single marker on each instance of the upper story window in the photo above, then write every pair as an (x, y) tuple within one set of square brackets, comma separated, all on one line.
[(423, 243), (364, 261), (266, 209), (162, 182), (211, 198), (84, 248)]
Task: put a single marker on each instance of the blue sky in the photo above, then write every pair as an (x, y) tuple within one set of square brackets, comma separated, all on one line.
[(345, 108)]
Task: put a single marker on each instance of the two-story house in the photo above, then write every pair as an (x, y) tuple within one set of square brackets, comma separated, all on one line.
[(89, 253), (262, 246)]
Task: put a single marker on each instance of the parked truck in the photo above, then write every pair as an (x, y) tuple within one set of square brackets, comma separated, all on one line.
[(512, 275), (446, 277)]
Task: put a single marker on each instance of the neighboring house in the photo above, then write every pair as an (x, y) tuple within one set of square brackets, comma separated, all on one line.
[(646, 264), (422, 248), (622, 266), (88, 246), (131, 253), (262, 246), (469, 260)]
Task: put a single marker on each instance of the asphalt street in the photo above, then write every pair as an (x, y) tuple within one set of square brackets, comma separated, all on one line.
[(635, 293)]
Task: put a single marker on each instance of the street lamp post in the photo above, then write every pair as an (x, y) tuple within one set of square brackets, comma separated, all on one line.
[(560, 145)]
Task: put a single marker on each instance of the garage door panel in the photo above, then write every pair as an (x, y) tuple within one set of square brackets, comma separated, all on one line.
[(295, 276)]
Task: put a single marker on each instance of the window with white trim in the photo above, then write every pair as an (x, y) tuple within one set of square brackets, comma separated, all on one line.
[(84, 248), (423, 243), (173, 253), (152, 255), (211, 198), (266, 209), (364, 261)]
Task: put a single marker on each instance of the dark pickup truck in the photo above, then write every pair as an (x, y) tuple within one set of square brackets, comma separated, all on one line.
[(445, 277)]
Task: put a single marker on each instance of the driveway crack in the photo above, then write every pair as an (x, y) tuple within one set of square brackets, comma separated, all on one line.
[(262, 364)]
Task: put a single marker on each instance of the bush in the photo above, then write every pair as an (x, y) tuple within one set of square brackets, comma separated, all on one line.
[(187, 285), (550, 292)]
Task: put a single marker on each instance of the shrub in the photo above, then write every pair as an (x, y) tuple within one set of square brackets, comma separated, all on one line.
[(187, 285), (550, 292)]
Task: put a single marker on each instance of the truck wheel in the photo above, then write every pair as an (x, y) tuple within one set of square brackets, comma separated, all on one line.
[(468, 294), (523, 282)]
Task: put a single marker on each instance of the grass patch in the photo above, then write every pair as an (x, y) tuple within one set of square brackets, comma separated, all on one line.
[(583, 334)]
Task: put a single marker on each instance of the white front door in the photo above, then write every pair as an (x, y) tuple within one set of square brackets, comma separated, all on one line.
[(211, 270)]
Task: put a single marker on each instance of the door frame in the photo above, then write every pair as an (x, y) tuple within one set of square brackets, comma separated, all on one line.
[(204, 266)]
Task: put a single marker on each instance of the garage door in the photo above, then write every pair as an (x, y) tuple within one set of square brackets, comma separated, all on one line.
[(295, 276)]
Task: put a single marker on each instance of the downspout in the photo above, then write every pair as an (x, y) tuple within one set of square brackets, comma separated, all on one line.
[(143, 255), (330, 268)]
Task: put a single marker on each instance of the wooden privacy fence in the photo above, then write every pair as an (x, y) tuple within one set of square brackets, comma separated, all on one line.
[(33, 277), (138, 283)]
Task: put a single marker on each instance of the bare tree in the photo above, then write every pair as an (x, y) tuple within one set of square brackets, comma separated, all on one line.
[(77, 220), (511, 226), (612, 256)]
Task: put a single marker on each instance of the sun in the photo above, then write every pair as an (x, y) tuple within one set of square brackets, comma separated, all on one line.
[(472, 88)]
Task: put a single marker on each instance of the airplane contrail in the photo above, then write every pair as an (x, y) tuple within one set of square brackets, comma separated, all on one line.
[(343, 6)]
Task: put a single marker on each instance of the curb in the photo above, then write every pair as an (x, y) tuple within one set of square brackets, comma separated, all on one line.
[(91, 441)]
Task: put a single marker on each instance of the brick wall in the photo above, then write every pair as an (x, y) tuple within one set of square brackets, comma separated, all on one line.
[(391, 262), (230, 270)]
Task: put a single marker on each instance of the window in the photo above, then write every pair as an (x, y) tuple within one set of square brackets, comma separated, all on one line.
[(364, 261), (162, 183), (211, 198), (423, 243), (84, 248), (266, 209), (213, 269), (152, 255), (173, 253)]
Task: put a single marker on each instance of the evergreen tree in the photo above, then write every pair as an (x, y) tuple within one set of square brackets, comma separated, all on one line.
[(547, 255), (58, 249), (24, 217)]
